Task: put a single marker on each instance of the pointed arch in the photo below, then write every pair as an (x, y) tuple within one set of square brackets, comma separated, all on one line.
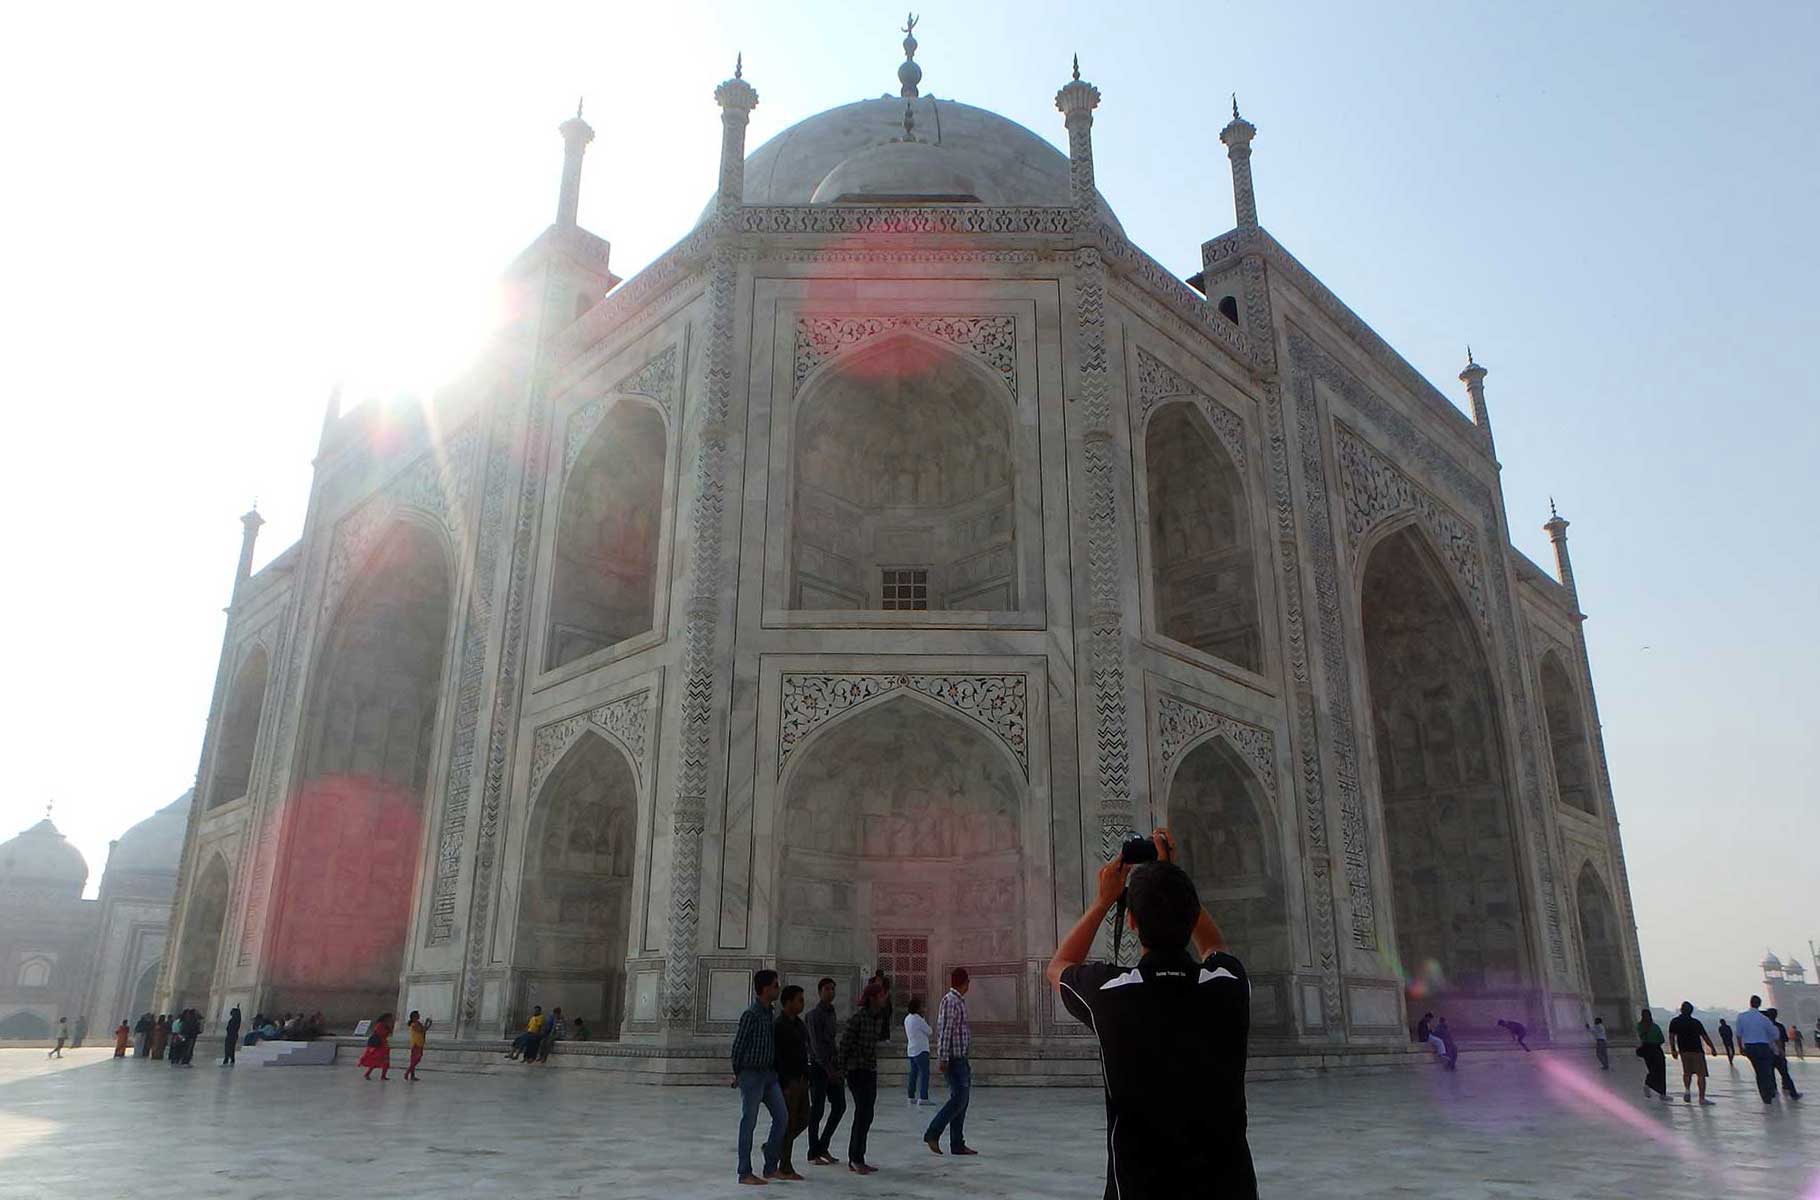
[(575, 902), (355, 820), (1204, 585), (609, 525), (199, 943), (1227, 839), (239, 730), (1447, 799), (1567, 736), (903, 483), (1602, 944)]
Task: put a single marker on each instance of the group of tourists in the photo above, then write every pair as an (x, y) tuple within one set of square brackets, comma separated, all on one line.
[(1439, 1038), (1758, 1035), (168, 1036), (378, 1053), (541, 1033)]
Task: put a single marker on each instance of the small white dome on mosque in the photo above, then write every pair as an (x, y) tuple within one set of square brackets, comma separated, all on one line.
[(42, 860), (1770, 961), (156, 843)]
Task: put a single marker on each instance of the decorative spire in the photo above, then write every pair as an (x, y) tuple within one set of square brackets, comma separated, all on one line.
[(737, 99), (1556, 528), (1077, 66), (739, 65), (1473, 376), (576, 134), (1076, 101), (1235, 106), (1237, 136), (909, 74)]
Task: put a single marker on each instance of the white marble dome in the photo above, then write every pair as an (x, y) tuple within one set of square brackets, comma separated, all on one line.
[(855, 151), (42, 860), (156, 843)]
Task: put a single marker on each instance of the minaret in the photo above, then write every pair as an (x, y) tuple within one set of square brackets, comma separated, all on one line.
[(737, 99), (576, 134), (1556, 527), (250, 522), (1076, 102), (1473, 376), (1237, 135)]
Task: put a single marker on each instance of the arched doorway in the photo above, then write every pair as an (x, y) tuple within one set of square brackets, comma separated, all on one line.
[(1602, 943), (1567, 736), (1449, 831), (239, 731), (355, 826), (1226, 840), (575, 902), (144, 990), (1202, 578), (605, 582), (204, 918), (904, 495), (902, 843)]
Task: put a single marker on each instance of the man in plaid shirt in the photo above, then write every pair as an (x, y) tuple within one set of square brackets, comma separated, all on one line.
[(755, 1075), (953, 1039)]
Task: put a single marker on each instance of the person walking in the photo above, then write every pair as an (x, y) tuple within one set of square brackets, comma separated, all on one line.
[(63, 1036), (1601, 1047), (1781, 1044), (192, 1033), (1757, 1037), (142, 1031), (233, 1036), (161, 1034), (1794, 1039), (825, 1084), (1685, 1033), (792, 1076), (123, 1036), (419, 1030), (378, 1056), (1517, 1030), (857, 1058), (1649, 1049), (916, 1050), (1725, 1039), (754, 1058), (953, 1041), (173, 1053)]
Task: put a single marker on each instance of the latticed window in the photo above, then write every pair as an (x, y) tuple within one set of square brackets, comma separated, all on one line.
[(906, 588), (904, 958)]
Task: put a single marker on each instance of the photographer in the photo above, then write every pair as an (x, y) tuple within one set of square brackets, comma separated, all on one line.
[(1172, 1033)]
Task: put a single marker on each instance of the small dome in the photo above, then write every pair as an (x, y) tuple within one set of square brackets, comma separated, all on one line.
[(902, 172), (42, 860), (156, 843), (1770, 961)]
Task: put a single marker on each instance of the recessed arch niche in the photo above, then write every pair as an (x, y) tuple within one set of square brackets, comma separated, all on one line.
[(204, 919), (239, 730), (903, 821), (1226, 839), (1449, 831), (604, 583), (1567, 736), (1602, 944), (1202, 574), (355, 824), (904, 485), (575, 899)]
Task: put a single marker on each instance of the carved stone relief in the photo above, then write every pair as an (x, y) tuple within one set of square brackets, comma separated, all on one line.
[(990, 339), (1181, 723), (995, 702), (627, 720), (1157, 382), (655, 380)]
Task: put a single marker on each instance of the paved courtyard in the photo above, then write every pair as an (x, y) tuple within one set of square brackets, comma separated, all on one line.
[(1542, 1125)]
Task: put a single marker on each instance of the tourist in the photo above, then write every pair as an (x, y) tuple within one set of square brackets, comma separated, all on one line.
[(1600, 1048), (63, 1036), (533, 1031), (1757, 1037), (1685, 1033), (192, 1033), (857, 1058), (754, 1058), (80, 1034), (1172, 1032), (792, 1076), (142, 1029), (1794, 1039), (1725, 1039), (123, 1035), (379, 1048), (233, 1036), (161, 1034), (581, 1031), (953, 1040), (1424, 1027), (916, 1049), (173, 1052), (883, 982), (1445, 1046), (825, 1085), (1781, 1045), (554, 1029), (1649, 1049), (419, 1029), (1516, 1029)]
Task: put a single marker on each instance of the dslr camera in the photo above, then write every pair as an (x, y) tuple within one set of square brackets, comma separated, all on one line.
[(1137, 849)]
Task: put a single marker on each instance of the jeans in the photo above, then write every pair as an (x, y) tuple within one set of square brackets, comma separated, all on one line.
[(919, 1073), (1763, 1061), (865, 1093), (1604, 1054), (228, 1050), (755, 1088), (953, 1115), (822, 1090)]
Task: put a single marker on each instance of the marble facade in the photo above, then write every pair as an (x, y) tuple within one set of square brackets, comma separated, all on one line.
[(842, 587)]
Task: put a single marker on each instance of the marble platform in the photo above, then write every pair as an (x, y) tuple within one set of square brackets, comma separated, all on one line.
[(1507, 1125)]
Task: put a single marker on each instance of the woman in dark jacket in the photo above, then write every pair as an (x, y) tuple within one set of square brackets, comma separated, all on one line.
[(1649, 1049), (858, 1059)]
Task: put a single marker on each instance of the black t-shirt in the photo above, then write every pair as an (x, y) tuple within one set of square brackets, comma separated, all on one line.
[(1172, 1037), (1688, 1034)]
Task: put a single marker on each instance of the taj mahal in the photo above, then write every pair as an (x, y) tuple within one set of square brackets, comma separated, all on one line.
[(837, 592)]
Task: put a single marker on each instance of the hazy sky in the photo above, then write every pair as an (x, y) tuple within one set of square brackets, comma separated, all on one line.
[(215, 212)]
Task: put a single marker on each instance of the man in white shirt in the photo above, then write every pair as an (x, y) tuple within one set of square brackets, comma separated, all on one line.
[(1757, 1036), (916, 1049)]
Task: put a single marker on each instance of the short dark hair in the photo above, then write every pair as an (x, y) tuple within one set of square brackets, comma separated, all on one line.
[(824, 982), (1162, 899), (1687, 1006), (792, 990), (1755, 1001), (763, 979), (958, 976), (915, 1005)]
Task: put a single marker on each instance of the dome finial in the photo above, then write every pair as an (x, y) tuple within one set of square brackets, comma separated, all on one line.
[(909, 74), (1077, 66), (1235, 106), (739, 65)]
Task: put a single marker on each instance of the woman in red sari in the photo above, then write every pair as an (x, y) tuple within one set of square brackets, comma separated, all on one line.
[(379, 1048)]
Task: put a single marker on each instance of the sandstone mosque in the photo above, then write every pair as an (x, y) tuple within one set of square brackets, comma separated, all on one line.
[(840, 590)]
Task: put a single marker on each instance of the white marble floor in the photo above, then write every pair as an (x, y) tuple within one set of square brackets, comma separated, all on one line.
[(1542, 1125)]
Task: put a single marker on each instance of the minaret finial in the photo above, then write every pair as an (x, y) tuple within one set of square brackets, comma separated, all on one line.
[(1077, 66), (1551, 509), (1235, 106), (1469, 361), (739, 65), (578, 104), (909, 74), (47, 809)]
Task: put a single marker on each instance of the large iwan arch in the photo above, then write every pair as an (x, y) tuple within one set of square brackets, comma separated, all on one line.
[(1602, 944), (204, 921), (239, 731), (1226, 837), (1567, 736)]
